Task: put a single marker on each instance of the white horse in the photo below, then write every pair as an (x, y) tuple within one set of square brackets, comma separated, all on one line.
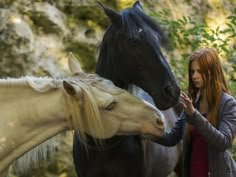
[(32, 110)]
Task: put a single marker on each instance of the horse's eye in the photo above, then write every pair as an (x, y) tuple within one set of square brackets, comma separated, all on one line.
[(111, 105)]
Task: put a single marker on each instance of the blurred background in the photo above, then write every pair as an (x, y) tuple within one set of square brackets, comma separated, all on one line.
[(37, 35)]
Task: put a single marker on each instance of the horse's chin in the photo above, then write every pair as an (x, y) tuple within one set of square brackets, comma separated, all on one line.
[(164, 103), (164, 106), (148, 136), (110, 129)]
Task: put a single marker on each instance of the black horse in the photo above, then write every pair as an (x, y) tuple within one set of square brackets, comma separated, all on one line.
[(130, 53)]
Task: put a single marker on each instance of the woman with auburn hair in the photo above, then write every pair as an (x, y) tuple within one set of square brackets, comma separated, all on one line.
[(207, 124)]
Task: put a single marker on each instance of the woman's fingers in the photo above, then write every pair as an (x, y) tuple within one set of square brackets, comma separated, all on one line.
[(183, 94), (185, 97), (186, 103), (182, 105)]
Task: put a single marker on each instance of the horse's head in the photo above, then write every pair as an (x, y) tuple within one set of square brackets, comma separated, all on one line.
[(120, 112), (131, 53)]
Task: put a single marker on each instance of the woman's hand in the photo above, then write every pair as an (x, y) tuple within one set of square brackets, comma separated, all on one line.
[(186, 104)]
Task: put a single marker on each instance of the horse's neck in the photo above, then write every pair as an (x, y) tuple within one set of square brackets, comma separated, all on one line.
[(105, 70), (28, 118), (4, 173)]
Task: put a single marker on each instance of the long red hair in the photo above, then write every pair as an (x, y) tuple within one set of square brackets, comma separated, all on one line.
[(213, 81)]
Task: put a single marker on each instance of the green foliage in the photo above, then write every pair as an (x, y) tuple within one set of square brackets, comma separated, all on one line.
[(186, 35)]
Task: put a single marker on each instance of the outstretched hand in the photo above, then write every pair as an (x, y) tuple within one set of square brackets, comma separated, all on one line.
[(186, 104)]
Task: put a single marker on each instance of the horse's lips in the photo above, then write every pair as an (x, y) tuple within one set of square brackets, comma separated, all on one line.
[(148, 128), (153, 128), (149, 136), (159, 131)]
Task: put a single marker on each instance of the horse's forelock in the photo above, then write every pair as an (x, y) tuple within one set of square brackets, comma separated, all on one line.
[(89, 107), (135, 20)]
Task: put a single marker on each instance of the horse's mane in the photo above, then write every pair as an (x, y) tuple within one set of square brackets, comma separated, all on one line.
[(40, 84), (30, 159), (134, 21)]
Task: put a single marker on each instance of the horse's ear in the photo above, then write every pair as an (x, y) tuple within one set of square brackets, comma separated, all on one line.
[(114, 17), (74, 64), (71, 89), (137, 5)]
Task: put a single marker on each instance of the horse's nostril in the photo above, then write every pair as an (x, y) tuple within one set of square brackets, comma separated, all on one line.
[(160, 124), (159, 121), (168, 90)]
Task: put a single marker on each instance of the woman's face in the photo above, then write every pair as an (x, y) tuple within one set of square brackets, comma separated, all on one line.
[(196, 74)]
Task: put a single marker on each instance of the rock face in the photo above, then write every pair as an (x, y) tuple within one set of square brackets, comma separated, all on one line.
[(37, 35)]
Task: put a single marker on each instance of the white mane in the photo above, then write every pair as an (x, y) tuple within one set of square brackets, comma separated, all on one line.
[(43, 84), (40, 84), (35, 155)]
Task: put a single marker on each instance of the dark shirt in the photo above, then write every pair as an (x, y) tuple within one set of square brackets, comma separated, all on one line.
[(199, 155)]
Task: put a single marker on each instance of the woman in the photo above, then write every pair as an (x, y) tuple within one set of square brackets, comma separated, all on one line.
[(208, 123)]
